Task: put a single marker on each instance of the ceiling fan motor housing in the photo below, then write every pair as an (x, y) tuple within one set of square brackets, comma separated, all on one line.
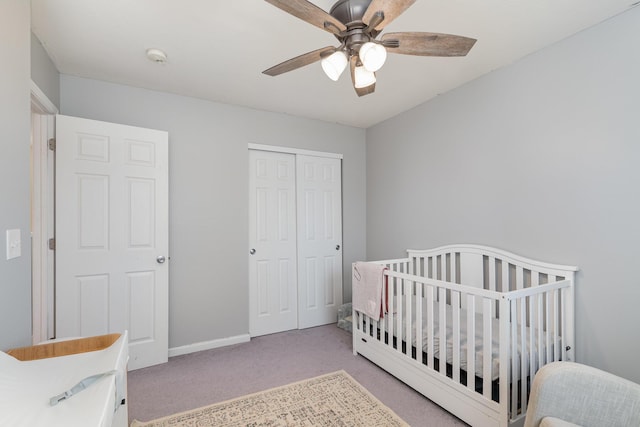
[(350, 13), (347, 11)]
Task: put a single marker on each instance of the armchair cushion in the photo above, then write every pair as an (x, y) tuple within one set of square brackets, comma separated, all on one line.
[(582, 395)]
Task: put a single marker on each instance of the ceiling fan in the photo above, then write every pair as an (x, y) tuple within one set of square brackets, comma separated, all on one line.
[(357, 24)]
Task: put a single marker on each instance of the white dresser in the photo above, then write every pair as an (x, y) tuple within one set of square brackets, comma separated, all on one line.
[(27, 386)]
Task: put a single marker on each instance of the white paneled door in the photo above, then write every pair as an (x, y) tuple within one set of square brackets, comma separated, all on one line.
[(319, 190), (295, 238), (112, 234), (272, 242)]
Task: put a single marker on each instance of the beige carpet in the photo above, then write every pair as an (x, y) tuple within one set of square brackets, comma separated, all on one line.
[(334, 399)]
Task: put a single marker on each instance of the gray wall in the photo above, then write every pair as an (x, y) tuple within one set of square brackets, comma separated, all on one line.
[(43, 72), (208, 193), (15, 274), (539, 158)]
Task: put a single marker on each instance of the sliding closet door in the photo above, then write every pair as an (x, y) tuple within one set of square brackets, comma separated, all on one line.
[(319, 189), (295, 241), (272, 243)]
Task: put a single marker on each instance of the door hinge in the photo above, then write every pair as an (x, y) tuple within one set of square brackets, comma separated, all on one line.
[(52, 144), (52, 244)]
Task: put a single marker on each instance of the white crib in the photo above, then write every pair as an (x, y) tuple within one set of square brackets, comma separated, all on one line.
[(468, 326)]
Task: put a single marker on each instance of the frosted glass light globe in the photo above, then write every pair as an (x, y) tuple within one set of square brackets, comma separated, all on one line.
[(372, 56), (363, 77), (334, 64)]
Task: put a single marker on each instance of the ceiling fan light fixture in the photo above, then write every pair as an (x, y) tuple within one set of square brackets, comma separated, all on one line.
[(372, 55), (334, 64), (357, 24), (363, 77)]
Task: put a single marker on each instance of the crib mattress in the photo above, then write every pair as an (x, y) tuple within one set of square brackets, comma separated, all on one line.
[(27, 386), (478, 338)]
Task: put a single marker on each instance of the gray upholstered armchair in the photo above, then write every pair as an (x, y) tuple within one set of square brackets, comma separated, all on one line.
[(566, 394)]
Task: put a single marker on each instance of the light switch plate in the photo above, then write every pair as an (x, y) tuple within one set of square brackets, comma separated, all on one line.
[(14, 244)]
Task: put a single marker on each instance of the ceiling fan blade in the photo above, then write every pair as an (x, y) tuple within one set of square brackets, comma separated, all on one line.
[(427, 44), (299, 61), (310, 13), (362, 91), (391, 9)]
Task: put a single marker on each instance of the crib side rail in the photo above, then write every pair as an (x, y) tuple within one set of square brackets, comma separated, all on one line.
[(485, 293), (426, 322), (537, 329), (474, 335), (400, 264), (392, 261)]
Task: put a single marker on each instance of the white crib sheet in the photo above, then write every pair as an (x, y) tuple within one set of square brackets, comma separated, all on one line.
[(478, 339), (26, 387)]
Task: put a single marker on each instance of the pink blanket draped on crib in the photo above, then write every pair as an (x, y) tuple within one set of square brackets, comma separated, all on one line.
[(368, 286)]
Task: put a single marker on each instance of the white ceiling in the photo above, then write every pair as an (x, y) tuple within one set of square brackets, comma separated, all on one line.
[(218, 49)]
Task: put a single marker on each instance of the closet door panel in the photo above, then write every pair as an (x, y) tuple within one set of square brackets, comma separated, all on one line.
[(319, 213), (272, 243)]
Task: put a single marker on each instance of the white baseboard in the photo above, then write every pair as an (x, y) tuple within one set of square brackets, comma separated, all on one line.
[(208, 345)]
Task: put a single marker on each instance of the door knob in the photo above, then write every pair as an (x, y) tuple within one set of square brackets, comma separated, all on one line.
[(337, 247), (252, 251), (161, 259)]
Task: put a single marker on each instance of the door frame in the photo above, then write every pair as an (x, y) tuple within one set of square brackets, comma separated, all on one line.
[(42, 217), (290, 150)]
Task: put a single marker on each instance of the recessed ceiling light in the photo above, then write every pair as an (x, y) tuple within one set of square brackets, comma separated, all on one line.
[(156, 55)]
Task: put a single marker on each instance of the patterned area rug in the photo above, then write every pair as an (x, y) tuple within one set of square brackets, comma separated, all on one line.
[(334, 399)]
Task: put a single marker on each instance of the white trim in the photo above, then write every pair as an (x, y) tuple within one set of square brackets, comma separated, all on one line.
[(40, 100), (290, 150), (208, 345), (42, 298)]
